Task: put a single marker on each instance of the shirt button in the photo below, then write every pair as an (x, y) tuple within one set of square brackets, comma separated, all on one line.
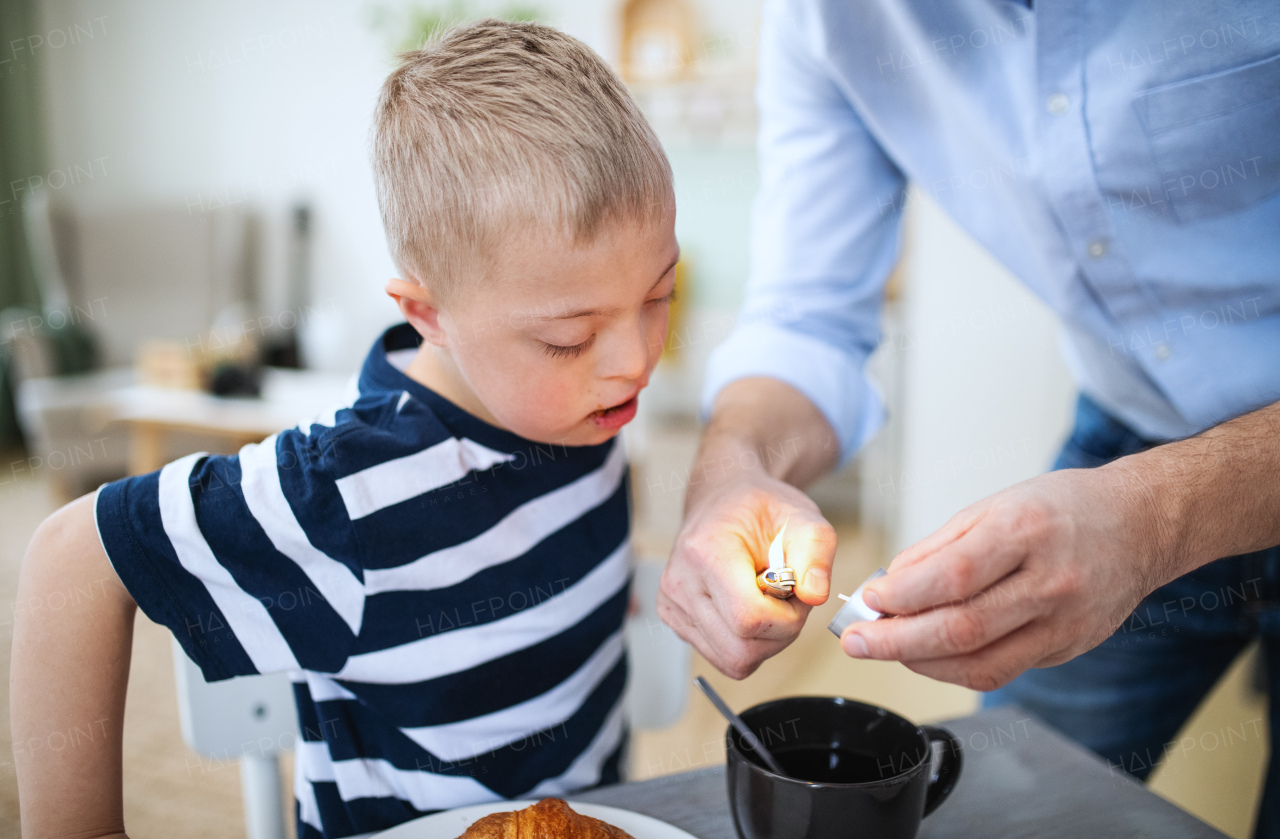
[(1163, 352), (1098, 248), (1058, 103)]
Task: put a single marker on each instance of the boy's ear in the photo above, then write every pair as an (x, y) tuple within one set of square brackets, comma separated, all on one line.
[(418, 307)]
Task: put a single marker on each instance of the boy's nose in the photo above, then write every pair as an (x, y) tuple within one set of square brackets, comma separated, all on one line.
[(628, 357)]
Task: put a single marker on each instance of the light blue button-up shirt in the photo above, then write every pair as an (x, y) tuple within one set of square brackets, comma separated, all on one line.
[(1121, 159)]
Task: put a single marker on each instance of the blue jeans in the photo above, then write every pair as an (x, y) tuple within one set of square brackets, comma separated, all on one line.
[(1127, 698)]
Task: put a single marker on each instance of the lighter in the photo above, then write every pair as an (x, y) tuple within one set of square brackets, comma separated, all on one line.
[(777, 580), (854, 608)]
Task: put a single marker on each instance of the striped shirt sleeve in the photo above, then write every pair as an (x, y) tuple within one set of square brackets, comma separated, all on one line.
[(247, 579)]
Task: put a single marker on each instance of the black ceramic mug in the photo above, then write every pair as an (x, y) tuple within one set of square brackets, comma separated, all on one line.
[(860, 771)]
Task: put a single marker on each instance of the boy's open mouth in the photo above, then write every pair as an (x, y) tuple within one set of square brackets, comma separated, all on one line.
[(616, 416)]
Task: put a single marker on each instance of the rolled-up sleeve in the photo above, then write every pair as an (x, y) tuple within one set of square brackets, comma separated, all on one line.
[(825, 230)]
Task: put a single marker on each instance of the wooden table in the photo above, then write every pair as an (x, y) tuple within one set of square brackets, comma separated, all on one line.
[(1020, 779), (154, 414)]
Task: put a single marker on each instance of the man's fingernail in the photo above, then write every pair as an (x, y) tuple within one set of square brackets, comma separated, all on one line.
[(855, 646), (872, 599), (818, 581)]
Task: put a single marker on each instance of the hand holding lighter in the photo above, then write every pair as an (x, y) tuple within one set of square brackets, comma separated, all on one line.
[(778, 580)]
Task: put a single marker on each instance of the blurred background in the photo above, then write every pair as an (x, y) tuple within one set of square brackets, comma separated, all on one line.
[(191, 258)]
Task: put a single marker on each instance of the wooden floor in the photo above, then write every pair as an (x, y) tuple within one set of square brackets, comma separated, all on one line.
[(170, 792)]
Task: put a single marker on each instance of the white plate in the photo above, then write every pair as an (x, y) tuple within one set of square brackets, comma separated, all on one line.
[(453, 823)]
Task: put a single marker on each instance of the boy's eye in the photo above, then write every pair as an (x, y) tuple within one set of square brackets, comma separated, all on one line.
[(667, 299), (557, 351)]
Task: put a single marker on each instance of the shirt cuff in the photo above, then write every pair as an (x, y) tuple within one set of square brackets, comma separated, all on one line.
[(156, 585), (832, 379)]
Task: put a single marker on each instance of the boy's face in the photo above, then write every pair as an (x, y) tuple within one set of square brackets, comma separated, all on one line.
[(555, 342)]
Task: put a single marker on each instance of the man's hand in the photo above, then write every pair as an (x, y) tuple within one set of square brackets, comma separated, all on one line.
[(1030, 577), (764, 439), (709, 594), (1045, 570)]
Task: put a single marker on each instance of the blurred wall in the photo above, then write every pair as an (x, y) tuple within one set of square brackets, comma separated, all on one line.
[(986, 399), (208, 103)]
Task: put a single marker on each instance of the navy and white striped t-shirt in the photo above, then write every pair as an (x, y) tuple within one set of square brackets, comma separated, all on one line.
[(448, 596)]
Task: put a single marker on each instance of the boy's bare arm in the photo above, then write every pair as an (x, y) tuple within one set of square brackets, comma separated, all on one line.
[(73, 629)]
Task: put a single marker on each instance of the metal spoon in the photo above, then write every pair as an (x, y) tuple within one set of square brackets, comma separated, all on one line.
[(741, 727)]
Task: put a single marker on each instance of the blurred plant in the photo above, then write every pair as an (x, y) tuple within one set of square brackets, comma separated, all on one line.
[(409, 27)]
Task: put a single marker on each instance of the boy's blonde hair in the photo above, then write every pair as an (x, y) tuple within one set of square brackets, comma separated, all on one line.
[(495, 126)]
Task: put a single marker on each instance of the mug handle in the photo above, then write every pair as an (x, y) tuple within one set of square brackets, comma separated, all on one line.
[(942, 784)]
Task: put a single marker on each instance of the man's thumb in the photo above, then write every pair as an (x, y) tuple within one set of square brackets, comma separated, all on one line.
[(810, 555), (815, 585)]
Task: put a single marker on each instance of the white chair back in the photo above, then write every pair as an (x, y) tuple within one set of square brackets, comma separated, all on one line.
[(658, 686)]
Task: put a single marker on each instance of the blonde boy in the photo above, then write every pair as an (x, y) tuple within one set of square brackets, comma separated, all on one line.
[(460, 529)]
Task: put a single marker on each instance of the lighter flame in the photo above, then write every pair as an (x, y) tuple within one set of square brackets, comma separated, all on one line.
[(776, 559)]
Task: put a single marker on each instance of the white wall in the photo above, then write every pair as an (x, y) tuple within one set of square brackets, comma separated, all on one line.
[(205, 102), (986, 398)]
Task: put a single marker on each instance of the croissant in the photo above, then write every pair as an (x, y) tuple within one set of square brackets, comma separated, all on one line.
[(550, 818)]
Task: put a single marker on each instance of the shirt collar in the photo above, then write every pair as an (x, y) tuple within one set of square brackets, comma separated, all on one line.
[(380, 375)]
